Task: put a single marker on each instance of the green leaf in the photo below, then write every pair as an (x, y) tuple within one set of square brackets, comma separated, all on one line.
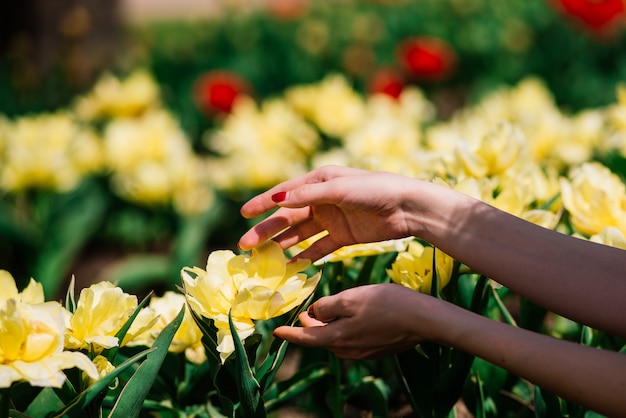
[(434, 284), (450, 384), (75, 218), (302, 380), (47, 401), (508, 318), (248, 387), (371, 394), (417, 375), (480, 296), (546, 404), (480, 399), (334, 398), (209, 336), (365, 274), (85, 398), (70, 300), (586, 335), (222, 377), (131, 398), (268, 369)]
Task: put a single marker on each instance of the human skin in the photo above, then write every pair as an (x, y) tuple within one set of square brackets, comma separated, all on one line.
[(578, 279)]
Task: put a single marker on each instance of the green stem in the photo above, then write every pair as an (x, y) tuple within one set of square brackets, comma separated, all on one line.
[(5, 402)]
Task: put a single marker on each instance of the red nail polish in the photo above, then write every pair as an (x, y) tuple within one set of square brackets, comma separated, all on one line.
[(279, 197)]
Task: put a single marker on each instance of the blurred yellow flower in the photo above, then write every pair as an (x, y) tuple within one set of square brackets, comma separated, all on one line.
[(113, 97), (101, 311), (273, 130), (595, 198), (492, 153), (414, 268), (389, 136), (47, 151), (256, 287), (152, 163), (188, 336), (31, 338), (331, 104)]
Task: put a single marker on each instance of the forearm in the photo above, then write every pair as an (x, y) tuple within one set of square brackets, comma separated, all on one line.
[(576, 278), (587, 376)]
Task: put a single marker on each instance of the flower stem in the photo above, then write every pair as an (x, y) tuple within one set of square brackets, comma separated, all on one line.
[(5, 402)]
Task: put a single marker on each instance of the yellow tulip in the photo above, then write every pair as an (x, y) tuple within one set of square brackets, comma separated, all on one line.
[(610, 236), (256, 287), (31, 338), (595, 199), (103, 366), (102, 309), (188, 336), (414, 268)]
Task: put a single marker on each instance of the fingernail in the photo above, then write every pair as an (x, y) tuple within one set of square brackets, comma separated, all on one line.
[(311, 311), (279, 197)]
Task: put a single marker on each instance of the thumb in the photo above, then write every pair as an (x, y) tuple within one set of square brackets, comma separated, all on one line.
[(327, 308)]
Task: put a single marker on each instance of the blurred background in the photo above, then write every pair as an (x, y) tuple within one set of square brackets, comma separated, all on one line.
[(89, 66)]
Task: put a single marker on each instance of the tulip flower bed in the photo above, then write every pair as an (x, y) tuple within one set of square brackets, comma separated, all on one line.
[(145, 172)]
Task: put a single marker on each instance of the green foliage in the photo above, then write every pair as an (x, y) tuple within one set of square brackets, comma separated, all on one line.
[(44, 234)]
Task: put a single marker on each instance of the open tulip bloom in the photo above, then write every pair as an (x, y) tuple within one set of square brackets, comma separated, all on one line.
[(235, 291)]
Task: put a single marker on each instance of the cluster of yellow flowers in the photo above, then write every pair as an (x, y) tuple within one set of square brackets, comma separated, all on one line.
[(313, 125), (515, 150), (152, 163), (49, 151), (260, 145), (119, 129), (39, 339)]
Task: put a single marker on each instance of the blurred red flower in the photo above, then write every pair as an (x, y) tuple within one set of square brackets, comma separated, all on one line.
[(427, 58), (597, 15), (288, 9), (216, 91), (386, 81)]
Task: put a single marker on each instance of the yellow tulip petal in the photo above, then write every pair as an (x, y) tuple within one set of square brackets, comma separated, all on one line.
[(8, 375), (8, 289)]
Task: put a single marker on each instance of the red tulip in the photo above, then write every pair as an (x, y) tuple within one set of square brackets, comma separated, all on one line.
[(387, 81), (427, 57), (216, 91), (597, 15)]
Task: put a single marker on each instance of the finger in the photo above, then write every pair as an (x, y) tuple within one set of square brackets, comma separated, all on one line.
[(328, 308), (264, 201), (273, 225), (298, 233), (314, 336), (308, 321), (319, 249)]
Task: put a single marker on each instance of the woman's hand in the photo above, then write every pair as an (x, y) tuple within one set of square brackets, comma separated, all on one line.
[(370, 321), (354, 206)]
